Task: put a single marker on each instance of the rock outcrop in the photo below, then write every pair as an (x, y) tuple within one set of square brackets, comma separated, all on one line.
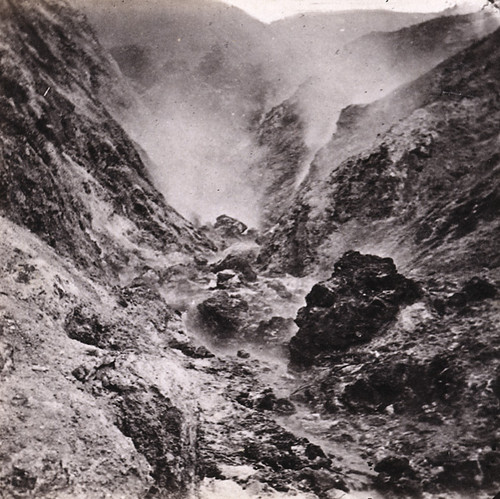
[(363, 295), (222, 314), (226, 231), (428, 384), (229, 227), (413, 175), (237, 263), (281, 132)]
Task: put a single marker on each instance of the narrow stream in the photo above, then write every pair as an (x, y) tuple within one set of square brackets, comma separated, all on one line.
[(264, 366), (269, 368)]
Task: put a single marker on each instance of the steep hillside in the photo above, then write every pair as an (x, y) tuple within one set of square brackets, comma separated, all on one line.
[(69, 172), (413, 173), (394, 57), (281, 132), (312, 42), (363, 70), (398, 343), (80, 221)]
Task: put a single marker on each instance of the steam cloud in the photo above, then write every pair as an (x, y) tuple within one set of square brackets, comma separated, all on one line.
[(202, 162), (209, 70)]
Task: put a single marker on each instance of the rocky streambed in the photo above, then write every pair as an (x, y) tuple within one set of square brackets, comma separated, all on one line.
[(363, 392), (206, 377)]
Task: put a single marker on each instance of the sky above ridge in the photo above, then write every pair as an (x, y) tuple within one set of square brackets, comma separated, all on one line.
[(272, 10)]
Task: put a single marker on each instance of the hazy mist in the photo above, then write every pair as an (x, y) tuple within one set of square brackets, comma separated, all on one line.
[(207, 73)]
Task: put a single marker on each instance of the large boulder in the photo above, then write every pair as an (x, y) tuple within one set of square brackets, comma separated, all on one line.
[(226, 231), (363, 295), (84, 326), (229, 227), (223, 314), (155, 426), (238, 263)]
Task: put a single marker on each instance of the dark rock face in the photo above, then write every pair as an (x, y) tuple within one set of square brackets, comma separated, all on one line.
[(479, 289), (476, 289), (363, 295), (86, 327), (298, 243), (269, 402), (396, 475), (223, 314), (227, 279), (405, 385), (490, 466), (291, 457), (21, 481), (227, 230), (281, 132)]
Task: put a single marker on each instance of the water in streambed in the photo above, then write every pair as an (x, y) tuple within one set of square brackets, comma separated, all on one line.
[(247, 365), (254, 366)]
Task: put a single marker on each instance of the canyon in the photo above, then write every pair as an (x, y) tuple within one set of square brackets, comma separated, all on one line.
[(256, 269)]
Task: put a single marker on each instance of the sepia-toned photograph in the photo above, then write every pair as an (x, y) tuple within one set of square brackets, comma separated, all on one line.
[(249, 249)]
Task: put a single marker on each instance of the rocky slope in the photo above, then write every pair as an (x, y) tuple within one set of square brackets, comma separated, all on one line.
[(80, 364), (80, 220), (412, 177), (420, 162), (364, 69), (69, 172), (106, 391)]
